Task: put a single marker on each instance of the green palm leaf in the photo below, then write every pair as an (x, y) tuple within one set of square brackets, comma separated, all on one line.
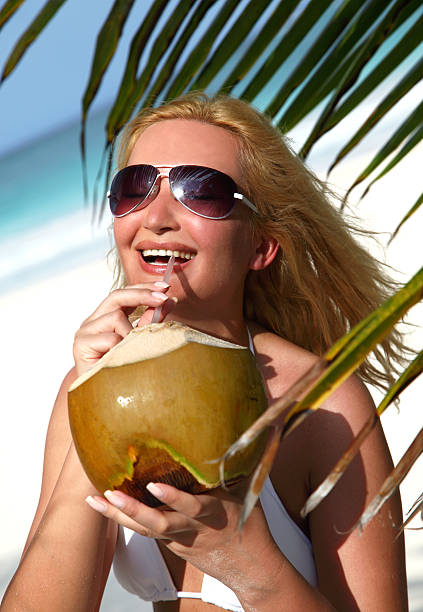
[(330, 371), (273, 25), (159, 85), (132, 89), (413, 122), (410, 373), (230, 43), (412, 210), (411, 39), (412, 141), (414, 75), (31, 33), (302, 25), (199, 54), (341, 19), (107, 41), (334, 66), (8, 9), (366, 51), (137, 46)]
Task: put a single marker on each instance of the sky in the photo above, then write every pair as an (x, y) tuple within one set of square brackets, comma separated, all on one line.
[(45, 90)]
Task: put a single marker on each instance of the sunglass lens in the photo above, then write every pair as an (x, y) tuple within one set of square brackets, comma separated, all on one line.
[(131, 187), (205, 191)]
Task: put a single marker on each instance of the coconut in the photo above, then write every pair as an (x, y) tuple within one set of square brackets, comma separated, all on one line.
[(163, 406)]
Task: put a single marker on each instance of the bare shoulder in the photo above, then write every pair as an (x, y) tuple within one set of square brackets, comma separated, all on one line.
[(282, 363)]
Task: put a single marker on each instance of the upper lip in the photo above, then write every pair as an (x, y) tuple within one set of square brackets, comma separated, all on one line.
[(168, 246)]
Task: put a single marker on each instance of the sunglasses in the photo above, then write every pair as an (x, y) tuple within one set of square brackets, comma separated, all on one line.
[(204, 191)]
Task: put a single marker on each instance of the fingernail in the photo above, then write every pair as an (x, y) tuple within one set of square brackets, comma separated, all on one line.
[(162, 284), (155, 490), (175, 299), (96, 504), (115, 498), (159, 296)]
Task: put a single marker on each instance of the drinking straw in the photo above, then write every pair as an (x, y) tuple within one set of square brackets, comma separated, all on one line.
[(166, 279)]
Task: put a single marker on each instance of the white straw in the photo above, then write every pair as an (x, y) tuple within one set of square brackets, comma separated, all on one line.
[(166, 279)]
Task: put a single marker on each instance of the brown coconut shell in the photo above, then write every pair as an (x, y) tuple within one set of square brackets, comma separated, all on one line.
[(162, 406)]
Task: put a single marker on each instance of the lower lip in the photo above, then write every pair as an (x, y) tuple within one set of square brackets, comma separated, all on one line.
[(160, 269)]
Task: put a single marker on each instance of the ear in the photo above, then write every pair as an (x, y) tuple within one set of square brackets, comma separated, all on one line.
[(265, 253)]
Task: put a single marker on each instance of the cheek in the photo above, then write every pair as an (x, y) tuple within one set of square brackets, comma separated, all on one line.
[(122, 232)]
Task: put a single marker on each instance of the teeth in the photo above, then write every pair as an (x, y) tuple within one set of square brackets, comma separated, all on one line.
[(169, 253)]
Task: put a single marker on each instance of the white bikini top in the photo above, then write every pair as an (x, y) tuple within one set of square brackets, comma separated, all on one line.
[(140, 568)]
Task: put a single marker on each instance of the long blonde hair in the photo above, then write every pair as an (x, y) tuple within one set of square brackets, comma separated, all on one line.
[(322, 281)]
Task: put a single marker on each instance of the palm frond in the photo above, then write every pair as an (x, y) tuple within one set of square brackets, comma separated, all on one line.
[(106, 45), (8, 10), (414, 75), (267, 33), (394, 479), (414, 369), (296, 33), (362, 56), (30, 35), (412, 210), (336, 62), (333, 368)]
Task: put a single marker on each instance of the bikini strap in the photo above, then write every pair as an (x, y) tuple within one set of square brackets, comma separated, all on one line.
[(250, 342)]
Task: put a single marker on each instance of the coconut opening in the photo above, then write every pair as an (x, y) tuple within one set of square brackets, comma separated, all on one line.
[(150, 341)]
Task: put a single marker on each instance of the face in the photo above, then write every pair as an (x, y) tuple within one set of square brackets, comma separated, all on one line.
[(221, 251)]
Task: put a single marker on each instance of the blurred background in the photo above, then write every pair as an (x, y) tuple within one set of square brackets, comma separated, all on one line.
[(53, 264)]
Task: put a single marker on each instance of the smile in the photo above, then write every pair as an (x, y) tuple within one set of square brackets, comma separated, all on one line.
[(157, 257)]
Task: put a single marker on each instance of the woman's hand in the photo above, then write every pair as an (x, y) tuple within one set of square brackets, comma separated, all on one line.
[(109, 323), (202, 529)]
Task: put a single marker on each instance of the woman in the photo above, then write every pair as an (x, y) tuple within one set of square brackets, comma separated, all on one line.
[(276, 268)]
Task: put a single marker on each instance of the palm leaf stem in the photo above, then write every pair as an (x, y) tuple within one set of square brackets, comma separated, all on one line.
[(394, 479), (412, 210)]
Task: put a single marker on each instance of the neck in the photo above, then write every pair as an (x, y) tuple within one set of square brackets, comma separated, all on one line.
[(230, 329)]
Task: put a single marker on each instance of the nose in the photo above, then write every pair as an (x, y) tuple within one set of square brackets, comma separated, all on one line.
[(161, 214)]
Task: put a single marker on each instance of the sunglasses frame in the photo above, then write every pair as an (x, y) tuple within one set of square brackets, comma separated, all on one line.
[(163, 171)]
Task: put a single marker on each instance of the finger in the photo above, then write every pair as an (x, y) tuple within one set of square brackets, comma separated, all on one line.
[(147, 317), (151, 522), (114, 321), (129, 298), (89, 348), (196, 507), (102, 506)]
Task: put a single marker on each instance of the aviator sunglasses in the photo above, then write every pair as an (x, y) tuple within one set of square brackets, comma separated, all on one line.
[(204, 191)]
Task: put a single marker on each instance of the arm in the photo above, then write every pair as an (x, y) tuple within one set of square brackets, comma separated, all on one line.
[(69, 549), (68, 552), (356, 571)]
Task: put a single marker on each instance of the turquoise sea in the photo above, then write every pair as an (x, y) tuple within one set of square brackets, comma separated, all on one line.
[(46, 226)]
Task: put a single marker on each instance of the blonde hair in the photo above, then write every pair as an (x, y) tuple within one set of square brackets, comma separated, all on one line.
[(322, 281)]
